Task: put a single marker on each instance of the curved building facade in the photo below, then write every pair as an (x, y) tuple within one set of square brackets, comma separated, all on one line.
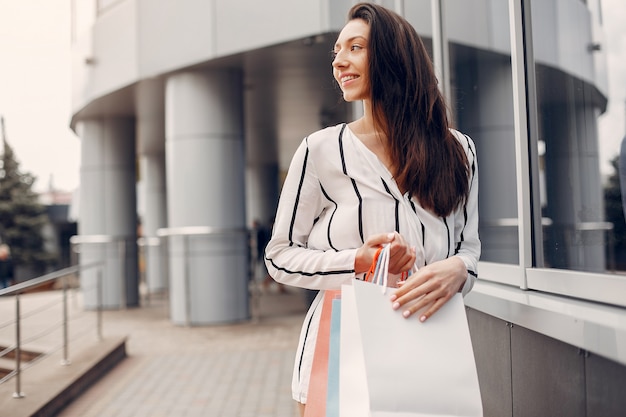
[(189, 112)]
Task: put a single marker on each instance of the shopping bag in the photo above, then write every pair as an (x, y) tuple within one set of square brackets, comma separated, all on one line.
[(318, 382), (332, 389), (391, 366), (353, 389)]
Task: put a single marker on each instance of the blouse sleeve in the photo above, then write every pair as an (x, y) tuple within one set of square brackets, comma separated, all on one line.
[(466, 220), (288, 258)]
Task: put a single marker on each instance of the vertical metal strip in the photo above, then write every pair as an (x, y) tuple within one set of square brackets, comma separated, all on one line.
[(522, 169), (533, 138), (441, 56)]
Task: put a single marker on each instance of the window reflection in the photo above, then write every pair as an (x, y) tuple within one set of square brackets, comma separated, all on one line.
[(482, 101), (577, 234)]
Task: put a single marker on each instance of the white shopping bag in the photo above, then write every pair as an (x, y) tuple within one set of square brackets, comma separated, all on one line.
[(391, 366)]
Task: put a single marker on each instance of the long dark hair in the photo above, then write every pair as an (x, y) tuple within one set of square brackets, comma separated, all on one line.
[(429, 162)]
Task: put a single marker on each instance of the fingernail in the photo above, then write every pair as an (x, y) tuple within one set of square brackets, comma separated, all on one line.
[(406, 313), (395, 305), (413, 249), (390, 236), (423, 319), (393, 297)]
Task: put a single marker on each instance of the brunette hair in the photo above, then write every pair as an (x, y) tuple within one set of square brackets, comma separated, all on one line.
[(429, 162)]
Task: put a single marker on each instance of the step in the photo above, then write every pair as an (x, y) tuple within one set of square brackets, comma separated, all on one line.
[(48, 386)]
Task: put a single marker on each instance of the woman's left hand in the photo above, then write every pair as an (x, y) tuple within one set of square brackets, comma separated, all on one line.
[(430, 287)]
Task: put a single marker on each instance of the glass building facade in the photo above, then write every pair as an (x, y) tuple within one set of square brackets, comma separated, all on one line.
[(214, 99)]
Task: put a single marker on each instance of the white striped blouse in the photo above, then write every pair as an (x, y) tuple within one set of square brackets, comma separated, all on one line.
[(336, 194)]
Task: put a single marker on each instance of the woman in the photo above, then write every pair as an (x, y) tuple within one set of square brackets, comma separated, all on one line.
[(399, 176)]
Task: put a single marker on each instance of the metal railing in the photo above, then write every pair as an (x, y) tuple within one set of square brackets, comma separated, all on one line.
[(17, 291), (119, 244), (145, 261), (185, 233)]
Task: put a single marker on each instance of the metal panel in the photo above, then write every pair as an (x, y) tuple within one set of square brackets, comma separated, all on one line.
[(605, 288), (606, 385), (548, 376), (491, 341), (518, 64)]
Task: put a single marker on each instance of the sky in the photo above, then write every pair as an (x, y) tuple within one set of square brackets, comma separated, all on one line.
[(35, 88)]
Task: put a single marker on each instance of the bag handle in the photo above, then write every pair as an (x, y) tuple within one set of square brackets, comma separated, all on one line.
[(381, 270), (370, 273)]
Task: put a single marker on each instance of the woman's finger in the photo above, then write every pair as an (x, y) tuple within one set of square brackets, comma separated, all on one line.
[(430, 311)]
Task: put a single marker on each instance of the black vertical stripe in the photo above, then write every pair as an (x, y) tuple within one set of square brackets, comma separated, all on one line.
[(445, 221), (420, 222), (397, 205), (424, 242), (306, 335), (330, 222), (471, 150), (473, 175), (354, 186), (295, 206)]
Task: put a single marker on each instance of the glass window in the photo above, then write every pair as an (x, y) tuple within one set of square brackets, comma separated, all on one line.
[(481, 99), (581, 207)]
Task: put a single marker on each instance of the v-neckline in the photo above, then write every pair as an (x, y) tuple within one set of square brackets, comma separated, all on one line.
[(371, 155), (376, 163)]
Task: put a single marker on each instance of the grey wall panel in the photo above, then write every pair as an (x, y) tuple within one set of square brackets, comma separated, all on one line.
[(174, 34), (256, 24), (492, 349), (115, 51), (606, 387), (548, 376)]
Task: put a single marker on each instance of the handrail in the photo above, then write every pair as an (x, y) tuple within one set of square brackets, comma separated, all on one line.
[(122, 242), (200, 230), (36, 282), (185, 232), (98, 239), (17, 290)]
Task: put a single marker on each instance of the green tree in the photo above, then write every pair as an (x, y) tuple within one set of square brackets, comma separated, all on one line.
[(615, 214), (22, 217)]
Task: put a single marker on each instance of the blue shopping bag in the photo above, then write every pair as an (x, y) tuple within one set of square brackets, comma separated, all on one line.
[(332, 392)]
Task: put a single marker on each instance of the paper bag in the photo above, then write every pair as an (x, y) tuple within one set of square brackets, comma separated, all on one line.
[(317, 393), (332, 389), (404, 367)]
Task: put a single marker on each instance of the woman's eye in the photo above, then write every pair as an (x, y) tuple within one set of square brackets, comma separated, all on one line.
[(355, 47)]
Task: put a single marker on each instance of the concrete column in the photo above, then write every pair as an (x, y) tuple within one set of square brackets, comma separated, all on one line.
[(151, 149), (262, 182), (206, 192), (108, 217)]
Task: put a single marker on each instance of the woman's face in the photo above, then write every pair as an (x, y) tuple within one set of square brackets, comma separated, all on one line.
[(351, 62)]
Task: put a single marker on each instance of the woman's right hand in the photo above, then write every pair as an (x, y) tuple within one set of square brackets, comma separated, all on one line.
[(401, 255)]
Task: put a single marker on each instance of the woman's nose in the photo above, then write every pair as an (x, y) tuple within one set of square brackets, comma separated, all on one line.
[(339, 60)]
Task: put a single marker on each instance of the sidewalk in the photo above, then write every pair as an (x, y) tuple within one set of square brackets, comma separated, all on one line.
[(236, 370)]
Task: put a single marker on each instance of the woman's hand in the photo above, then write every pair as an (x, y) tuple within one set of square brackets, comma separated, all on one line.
[(430, 287), (401, 255)]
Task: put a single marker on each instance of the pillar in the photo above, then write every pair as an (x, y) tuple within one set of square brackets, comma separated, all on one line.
[(208, 242), (107, 220), (262, 182), (151, 152)]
